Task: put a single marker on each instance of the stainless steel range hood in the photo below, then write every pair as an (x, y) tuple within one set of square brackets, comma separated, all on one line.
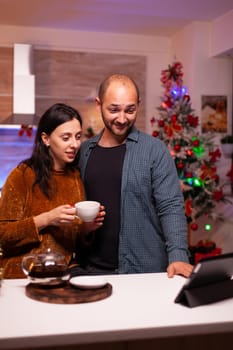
[(23, 87)]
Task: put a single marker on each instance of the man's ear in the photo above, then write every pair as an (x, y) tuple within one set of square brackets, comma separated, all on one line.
[(97, 102)]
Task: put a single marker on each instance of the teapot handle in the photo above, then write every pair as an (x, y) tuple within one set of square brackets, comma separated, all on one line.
[(25, 263)]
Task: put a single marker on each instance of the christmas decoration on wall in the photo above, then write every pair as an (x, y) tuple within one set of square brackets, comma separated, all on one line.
[(195, 155), (25, 129), (89, 132)]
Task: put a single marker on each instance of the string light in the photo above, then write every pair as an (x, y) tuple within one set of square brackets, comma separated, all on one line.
[(197, 182), (184, 90), (208, 227), (179, 92), (189, 152), (198, 151), (189, 181)]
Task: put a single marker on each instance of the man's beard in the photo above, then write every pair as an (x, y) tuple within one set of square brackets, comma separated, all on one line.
[(110, 127)]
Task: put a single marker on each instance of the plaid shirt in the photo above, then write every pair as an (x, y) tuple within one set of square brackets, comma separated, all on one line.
[(153, 225)]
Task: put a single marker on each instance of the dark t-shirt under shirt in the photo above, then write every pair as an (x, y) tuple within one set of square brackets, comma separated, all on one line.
[(103, 183)]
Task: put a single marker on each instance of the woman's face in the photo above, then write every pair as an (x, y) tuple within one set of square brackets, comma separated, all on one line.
[(64, 143)]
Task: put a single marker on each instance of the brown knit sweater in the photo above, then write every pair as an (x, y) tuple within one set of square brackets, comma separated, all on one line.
[(18, 204)]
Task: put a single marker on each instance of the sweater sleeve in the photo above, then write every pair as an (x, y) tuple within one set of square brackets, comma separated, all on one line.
[(17, 228)]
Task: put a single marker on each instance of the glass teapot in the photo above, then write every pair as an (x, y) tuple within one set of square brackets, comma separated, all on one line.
[(48, 268)]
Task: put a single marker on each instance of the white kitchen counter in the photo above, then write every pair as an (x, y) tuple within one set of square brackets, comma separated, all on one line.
[(140, 307)]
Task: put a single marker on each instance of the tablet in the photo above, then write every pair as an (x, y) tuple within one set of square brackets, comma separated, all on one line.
[(207, 272)]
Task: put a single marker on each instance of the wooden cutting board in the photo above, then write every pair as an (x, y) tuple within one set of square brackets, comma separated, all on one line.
[(66, 293)]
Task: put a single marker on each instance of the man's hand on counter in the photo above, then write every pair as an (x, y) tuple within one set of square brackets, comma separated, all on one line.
[(179, 268)]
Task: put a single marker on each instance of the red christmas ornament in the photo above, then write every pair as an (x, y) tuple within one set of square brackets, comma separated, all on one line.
[(174, 118), (186, 98), (194, 226), (152, 121), (177, 148), (180, 165), (161, 123), (155, 133), (196, 143), (167, 102), (188, 175)]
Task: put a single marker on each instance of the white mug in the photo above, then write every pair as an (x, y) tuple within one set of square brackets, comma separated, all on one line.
[(87, 210)]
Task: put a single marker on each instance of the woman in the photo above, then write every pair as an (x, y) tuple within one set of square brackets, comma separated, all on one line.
[(37, 204)]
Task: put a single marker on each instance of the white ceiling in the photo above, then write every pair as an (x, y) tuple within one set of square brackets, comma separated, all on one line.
[(145, 17)]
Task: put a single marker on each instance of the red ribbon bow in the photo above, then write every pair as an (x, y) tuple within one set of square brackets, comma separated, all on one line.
[(25, 129)]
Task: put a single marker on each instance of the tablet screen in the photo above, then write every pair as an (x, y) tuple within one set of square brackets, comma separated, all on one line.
[(212, 269)]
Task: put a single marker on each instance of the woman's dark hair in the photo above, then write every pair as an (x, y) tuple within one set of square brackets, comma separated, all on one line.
[(41, 161)]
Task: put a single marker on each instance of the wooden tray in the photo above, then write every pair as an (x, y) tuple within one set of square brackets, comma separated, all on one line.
[(66, 293)]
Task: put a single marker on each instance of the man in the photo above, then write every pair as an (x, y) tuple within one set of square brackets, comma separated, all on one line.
[(135, 178)]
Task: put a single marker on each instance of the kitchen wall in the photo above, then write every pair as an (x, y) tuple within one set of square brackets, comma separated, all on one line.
[(154, 52), (71, 77)]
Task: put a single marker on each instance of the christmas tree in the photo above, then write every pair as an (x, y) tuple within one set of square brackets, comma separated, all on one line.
[(195, 155)]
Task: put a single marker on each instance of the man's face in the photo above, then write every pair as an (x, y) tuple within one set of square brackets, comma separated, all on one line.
[(119, 108)]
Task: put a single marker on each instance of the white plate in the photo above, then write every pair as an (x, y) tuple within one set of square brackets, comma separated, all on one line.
[(88, 282)]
